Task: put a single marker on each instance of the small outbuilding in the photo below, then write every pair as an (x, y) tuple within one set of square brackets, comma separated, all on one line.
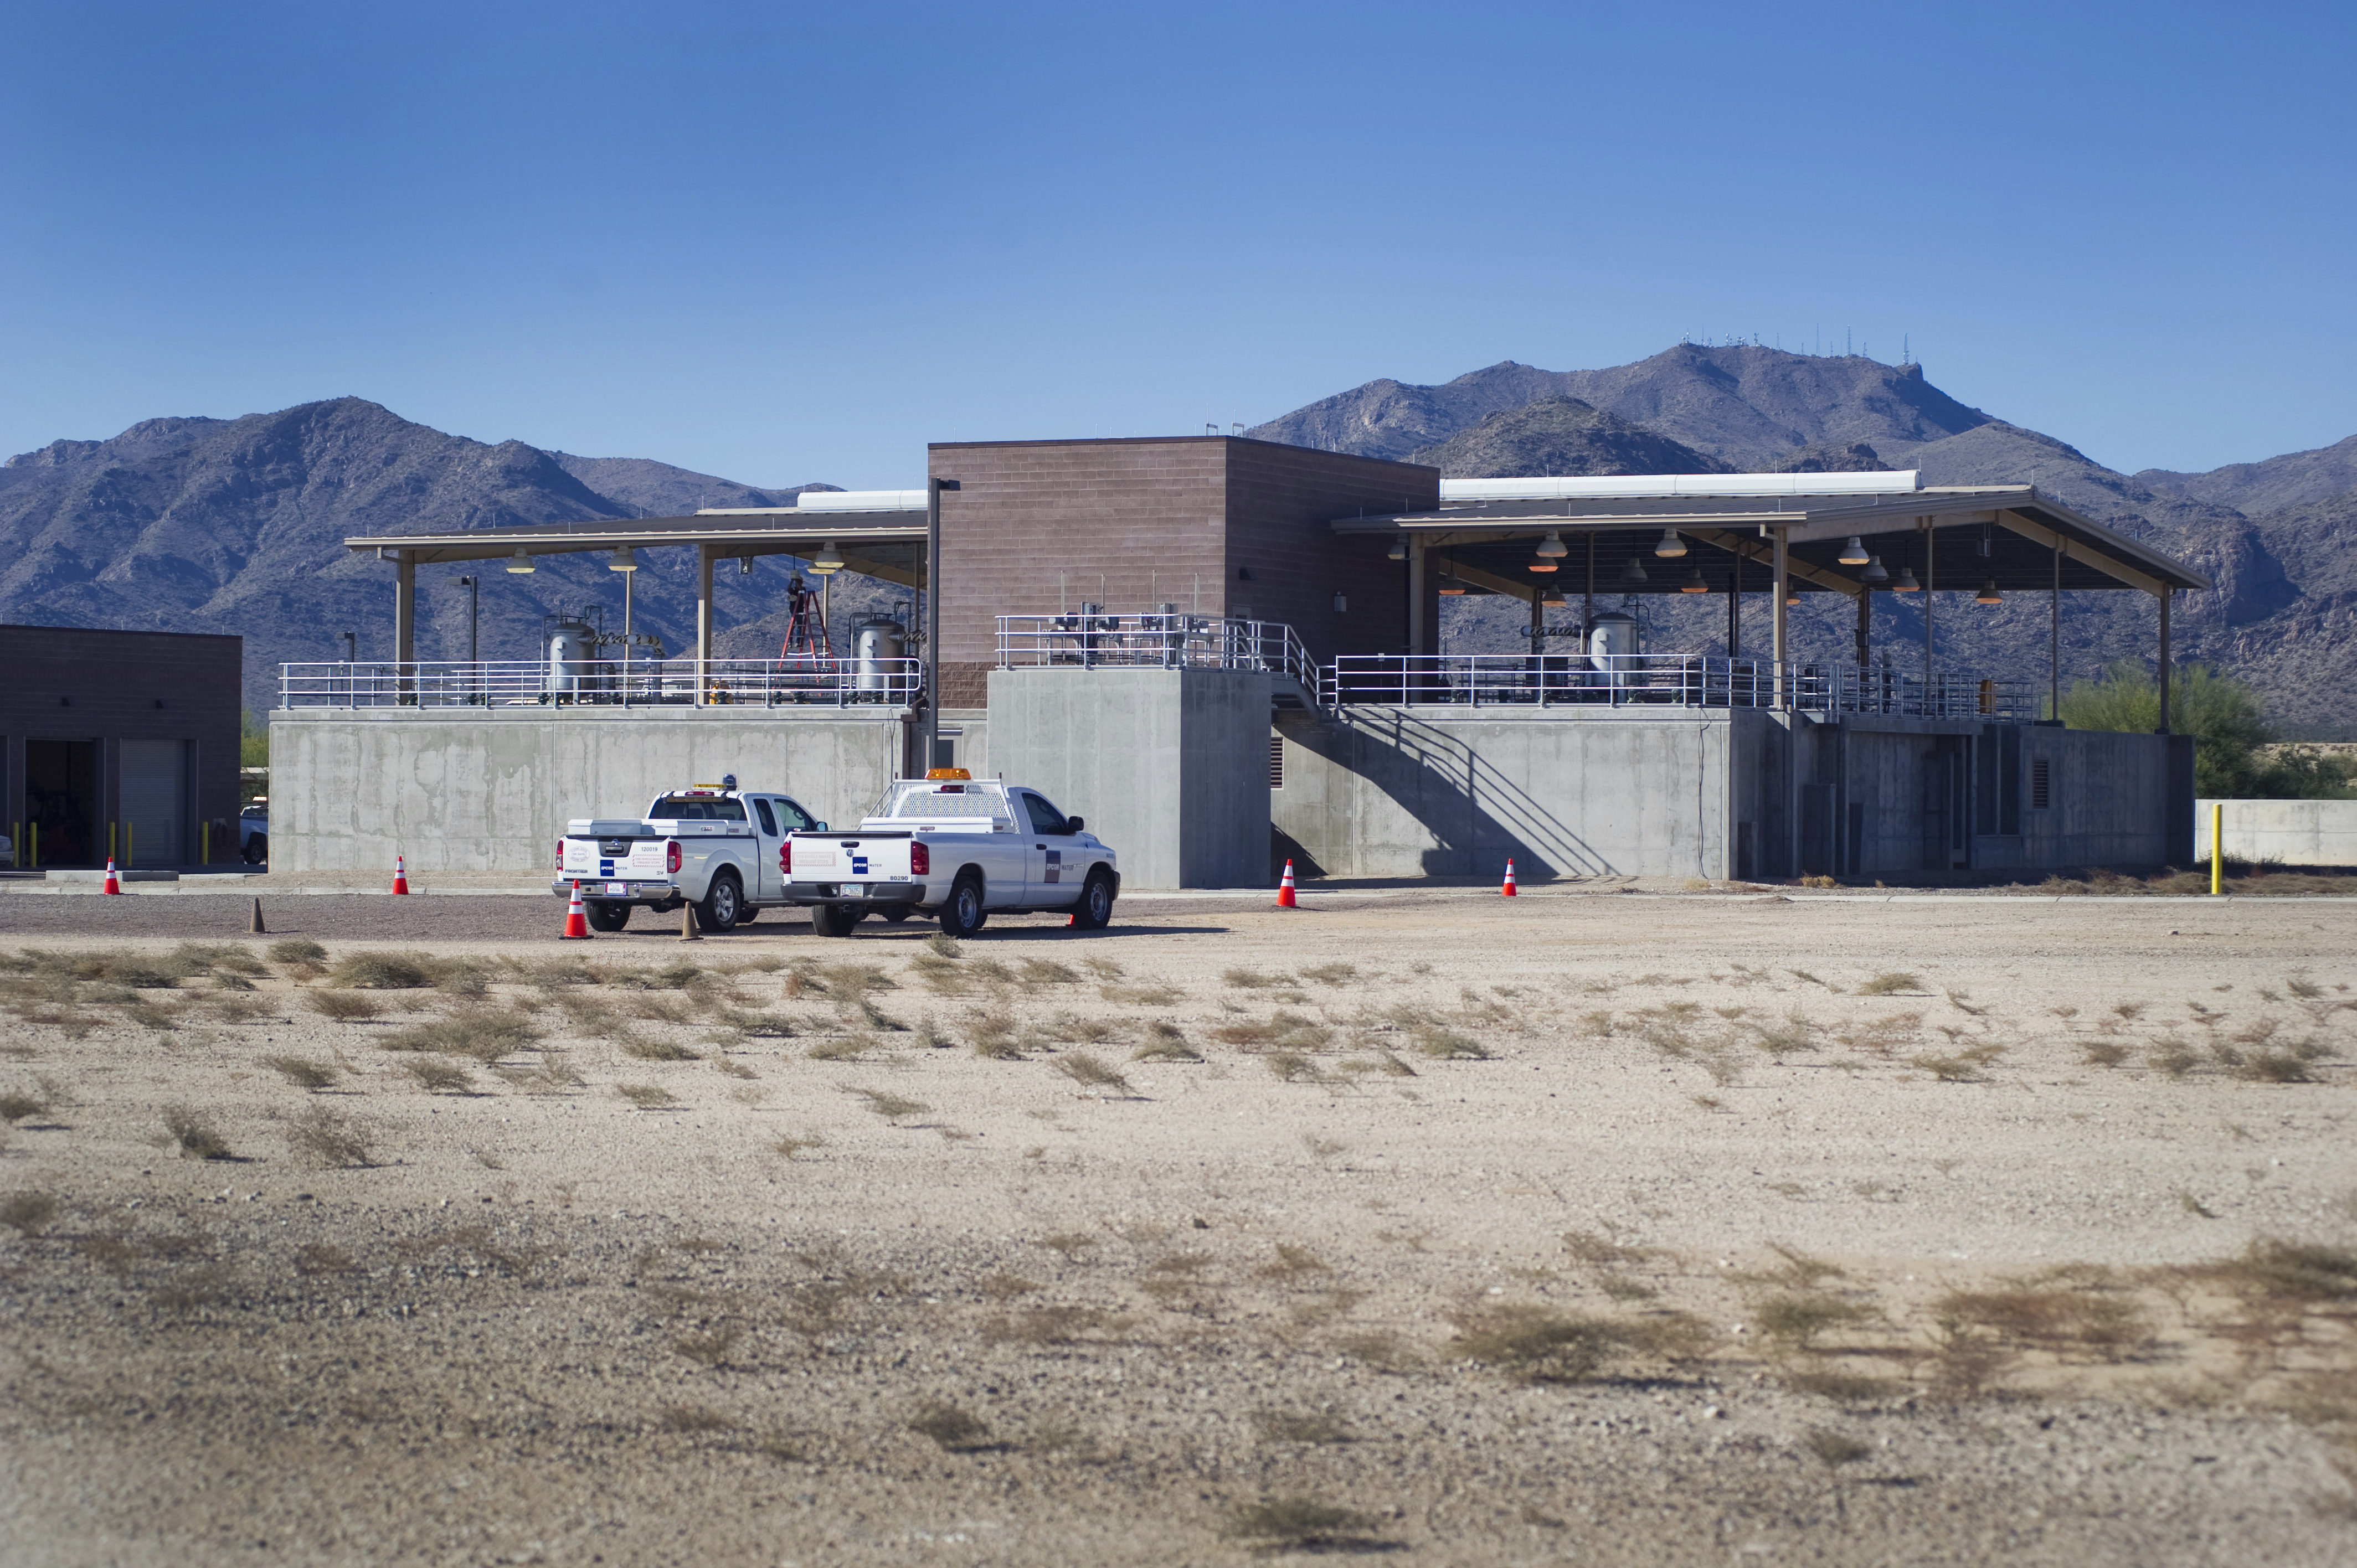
[(122, 743)]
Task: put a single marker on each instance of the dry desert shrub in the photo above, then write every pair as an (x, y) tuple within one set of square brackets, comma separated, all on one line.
[(1298, 1426), (750, 1025), (1090, 1073), (1834, 1448), (27, 1213), (1302, 1522), (1891, 984), (17, 1106), (646, 1096), (437, 1077), (1047, 971), (1332, 973), (789, 1146), (955, 1430), (1292, 1067), (649, 1049), (893, 1108), (194, 1131), (709, 1350), (2063, 1321), (1141, 996), (2104, 1053), (551, 1071), (994, 1035), (299, 952), (1066, 1323), (343, 1006), (302, 1072), (481, 1034), (1250, 979), (1536, 1346), (327, 1138), (1844, 1388), (1164, 1043), (1450, 1046), (382, 971), (693, 1419), (1795, 1322)]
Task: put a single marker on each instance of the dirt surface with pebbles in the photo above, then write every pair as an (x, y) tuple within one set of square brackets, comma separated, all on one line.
[(1570, 1228)]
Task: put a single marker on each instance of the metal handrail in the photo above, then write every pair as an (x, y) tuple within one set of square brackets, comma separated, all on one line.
[(1172, 641), (802, 680), (1578, 681)]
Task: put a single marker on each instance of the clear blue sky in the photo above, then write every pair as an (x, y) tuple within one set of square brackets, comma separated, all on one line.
[(786, 243)]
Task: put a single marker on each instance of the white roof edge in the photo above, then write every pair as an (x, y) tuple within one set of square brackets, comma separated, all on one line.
[(1879, 483), (861, 500)]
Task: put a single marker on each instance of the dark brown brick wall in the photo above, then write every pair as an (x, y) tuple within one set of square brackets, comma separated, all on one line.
[(74, 683), (1135, 523)]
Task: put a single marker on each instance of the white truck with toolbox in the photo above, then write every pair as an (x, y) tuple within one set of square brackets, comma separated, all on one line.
[(957, 847), (714, 845)]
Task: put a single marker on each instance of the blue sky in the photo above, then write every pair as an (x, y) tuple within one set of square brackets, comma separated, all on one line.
[(786, 243)]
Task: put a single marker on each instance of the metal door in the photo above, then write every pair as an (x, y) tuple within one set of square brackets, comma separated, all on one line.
[(153, 801)]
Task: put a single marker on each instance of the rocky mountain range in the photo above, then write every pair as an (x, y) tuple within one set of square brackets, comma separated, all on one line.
[(2278, 538), (236, 525)]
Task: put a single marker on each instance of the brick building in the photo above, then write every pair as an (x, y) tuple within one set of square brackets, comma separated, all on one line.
[(119, 740)]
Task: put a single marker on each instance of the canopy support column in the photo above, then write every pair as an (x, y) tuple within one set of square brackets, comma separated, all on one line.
[(703, 620), (2166, 594), (1930, 597), (1779, 621), (2054, 642), (1416, 597), (1864, 625), (404, 624)]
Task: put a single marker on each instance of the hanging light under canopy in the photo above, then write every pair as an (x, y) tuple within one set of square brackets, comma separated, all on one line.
[(1988, 593), (520, 564), (1875, 572), (1671, 546), (828, 561), (1693, 583), (1854, 552), (1633, 573)]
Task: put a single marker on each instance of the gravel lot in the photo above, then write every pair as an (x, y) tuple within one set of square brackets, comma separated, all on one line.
[(1581, 1229)]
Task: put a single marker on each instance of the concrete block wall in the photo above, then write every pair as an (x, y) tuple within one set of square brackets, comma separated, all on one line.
[(1396, 792), (2292, 832), (491, 791), (1169, 767)]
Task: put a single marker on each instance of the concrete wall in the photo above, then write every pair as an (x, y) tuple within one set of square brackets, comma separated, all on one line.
[(2293, 832), (1400, 791), (1169, 767), (491, 791)]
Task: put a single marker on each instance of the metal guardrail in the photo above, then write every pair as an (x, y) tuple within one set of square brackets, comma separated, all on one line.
[(1582, 681), (649, 682), (1173, 641)]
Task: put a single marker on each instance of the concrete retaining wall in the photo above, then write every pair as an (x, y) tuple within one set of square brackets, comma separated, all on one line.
[(491, 791), (2294, 833), (1169, 767), (1401, 791)]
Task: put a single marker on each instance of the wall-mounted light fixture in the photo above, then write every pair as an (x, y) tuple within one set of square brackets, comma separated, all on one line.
[(1341, 605), (1398, 550)]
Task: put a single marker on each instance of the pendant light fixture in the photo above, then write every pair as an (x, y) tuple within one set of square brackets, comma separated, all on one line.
[(1854, 552), (1450, 587), (827, 561), (520, 564), (1552, 548), (1671, 546), (1988, 593), (1693, 583), (1633, 573), (1399, 547), (1792, 591), (1550, 594), (1907, 583), (623, 560), (1875, 572)]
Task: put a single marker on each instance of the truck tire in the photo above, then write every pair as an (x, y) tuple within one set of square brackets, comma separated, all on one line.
[(256, 850), (962, 911), (604, 915), (724, 901), (1094, 910), (830, 920)]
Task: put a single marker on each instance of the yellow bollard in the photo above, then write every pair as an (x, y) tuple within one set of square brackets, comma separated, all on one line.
[(35, 830), (110, 841), (204, 844), (2217, 848)]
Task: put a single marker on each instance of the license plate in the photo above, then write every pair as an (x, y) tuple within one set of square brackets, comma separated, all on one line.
[(621, 889), (854, 890)]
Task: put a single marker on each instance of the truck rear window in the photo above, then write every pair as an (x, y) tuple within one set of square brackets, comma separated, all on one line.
[(697, 809)]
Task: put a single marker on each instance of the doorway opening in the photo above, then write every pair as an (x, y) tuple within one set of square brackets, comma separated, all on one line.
[(61, 818)]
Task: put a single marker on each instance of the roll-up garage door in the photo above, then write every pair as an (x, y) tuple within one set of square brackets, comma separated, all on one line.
[(155, 789)]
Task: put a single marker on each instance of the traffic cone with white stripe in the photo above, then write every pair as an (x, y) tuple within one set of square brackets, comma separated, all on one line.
[(1508, 890), (113, 884), (1284, 899), (400, 874), (576, 918)]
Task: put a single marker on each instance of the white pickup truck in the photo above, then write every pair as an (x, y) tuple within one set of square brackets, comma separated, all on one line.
[(956, 847), (718, 846)]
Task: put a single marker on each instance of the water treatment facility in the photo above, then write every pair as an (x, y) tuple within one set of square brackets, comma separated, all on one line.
[(1224, 652)]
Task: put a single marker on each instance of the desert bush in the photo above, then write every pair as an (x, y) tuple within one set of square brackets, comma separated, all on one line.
[(380, 972), (1890, 984), (302, 1072), (1250, 979), (194, 1133), (710, 1349), (693, 1419), (1832, 1448), (480, 1033), (343, 1006), (1796, 1321), (27, 1213), (956, 1431), (15, 1107), (2056, 1319), (1295, 1426), (1447, 1044), (299, 951), (649, 1049), (646, 1096), (328, 1139), (1539, 1346), (1047, 971), (2105, 1052), (1298, 1521), (437, 1077), (891, 1107), (1090, 1073)]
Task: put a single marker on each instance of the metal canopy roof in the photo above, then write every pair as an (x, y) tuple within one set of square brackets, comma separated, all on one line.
[(888, 543), (1941, 529)]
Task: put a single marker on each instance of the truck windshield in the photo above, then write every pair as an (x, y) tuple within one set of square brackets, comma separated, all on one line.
[(916, 797), (697, 809)]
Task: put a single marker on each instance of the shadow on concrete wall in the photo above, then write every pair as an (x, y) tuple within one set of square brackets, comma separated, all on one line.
[(1495, 815)]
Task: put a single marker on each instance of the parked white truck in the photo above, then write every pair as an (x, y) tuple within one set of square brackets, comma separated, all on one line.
[(957, 847), (714, 845)]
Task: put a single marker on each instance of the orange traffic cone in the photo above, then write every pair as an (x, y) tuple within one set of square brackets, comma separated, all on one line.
[(400, 874), (113, 886), (1509, 888), (577, 919), (1284, 899)]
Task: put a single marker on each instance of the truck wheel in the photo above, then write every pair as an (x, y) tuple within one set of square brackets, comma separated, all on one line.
[(962, 914), (723, 902), (604, 915), (257, 849), (829, 920), (1095, 908)]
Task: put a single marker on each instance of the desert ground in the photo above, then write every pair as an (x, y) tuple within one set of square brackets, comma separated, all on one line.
[(1579, 1228)]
